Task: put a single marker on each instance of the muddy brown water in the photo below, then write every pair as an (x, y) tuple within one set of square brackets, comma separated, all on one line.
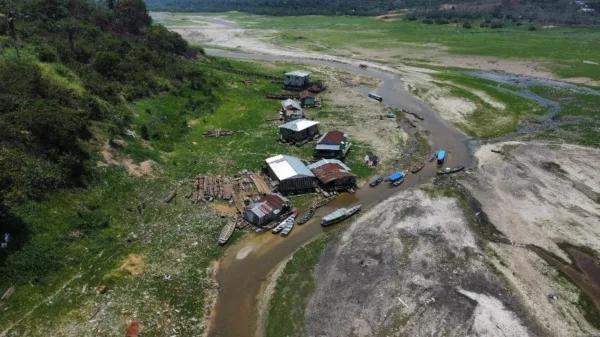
[(246, 265)]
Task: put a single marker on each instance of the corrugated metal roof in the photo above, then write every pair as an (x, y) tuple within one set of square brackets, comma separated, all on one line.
[(286, 167), (330, 172), (332, 138), (267, 204), (290, 102), (298, 125), (297, 73), (327, 147), (327, 161)]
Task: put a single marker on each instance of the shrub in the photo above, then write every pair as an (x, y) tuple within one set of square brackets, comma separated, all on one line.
[(496, 25), (442, 21), (47, 54), (467, 25), (488, 21), (531, 28), (427, 21), (519, 23), (412, 17), (482, 25)]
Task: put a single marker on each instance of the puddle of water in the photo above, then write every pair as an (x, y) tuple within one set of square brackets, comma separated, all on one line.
[(531, 124)]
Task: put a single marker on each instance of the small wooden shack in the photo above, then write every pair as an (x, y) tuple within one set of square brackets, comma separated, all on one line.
[(291, 110), (307, 99), (298, 130), (291, 174), (333, 174), (333, 144), (296, 79), (265, 210)]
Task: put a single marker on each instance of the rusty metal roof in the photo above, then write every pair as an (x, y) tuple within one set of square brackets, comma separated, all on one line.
[(306, 94), (333, 138), (267, 204), (327, 161), (331, 171)]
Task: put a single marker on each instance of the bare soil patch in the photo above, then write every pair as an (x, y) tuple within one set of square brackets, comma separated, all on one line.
[(133, 264), (541, 194), (410, 267)]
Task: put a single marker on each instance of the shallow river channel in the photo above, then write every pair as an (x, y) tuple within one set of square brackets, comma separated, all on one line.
[(247, 264)]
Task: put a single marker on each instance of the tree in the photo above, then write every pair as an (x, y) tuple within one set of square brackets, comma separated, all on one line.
[(132, 16), (467, 25), (110, 4), (144, 132)]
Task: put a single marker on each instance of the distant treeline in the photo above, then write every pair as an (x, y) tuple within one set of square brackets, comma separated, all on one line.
[(543, 11)]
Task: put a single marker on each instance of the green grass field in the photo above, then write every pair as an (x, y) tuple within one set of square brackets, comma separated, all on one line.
[(488, 120), (562, 49), (82, 235)]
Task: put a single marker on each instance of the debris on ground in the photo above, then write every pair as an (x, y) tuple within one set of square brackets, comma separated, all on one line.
[(219, 133)]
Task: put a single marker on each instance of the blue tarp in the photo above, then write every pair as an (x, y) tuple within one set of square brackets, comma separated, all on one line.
[(441, 155), (396, 176)]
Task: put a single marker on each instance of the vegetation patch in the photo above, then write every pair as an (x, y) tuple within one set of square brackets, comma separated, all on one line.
[(294, 287)]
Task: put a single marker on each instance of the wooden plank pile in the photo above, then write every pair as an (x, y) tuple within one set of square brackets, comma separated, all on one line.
[(219, 133), (247, 186)]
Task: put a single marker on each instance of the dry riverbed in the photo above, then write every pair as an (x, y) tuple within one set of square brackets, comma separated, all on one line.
[(418, 265)]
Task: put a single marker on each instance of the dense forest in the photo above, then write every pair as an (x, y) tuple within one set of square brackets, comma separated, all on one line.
[(544, 11), (68, 70)]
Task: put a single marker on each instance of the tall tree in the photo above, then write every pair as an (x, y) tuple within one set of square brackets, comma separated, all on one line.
[(132, 15)]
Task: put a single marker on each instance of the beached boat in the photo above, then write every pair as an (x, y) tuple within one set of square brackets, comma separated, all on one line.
[(375, 96), (432, 158), (284, 223), (306, 216), (397, 182), (227, 231), (441, 155), (287, 229), (450, 170), (339, 215), (395, 177), (324, 202), (418, 167)]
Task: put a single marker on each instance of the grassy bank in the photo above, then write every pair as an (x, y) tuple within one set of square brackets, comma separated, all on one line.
[(294, 286), (119, 235), (579, 110)]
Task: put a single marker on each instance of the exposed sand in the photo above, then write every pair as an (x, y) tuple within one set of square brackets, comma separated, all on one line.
[(410, 267), (541, 194), (533, 203)]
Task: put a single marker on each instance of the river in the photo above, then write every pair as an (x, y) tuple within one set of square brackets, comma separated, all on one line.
[(247, 264)]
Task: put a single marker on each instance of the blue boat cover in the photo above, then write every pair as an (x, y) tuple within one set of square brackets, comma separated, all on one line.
[(396, 176), (441, 155)]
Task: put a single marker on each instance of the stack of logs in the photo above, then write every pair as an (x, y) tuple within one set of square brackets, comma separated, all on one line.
[(208, 188)]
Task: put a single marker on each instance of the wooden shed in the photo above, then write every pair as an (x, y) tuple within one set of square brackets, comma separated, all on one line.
[(291, 174), (298, 130)]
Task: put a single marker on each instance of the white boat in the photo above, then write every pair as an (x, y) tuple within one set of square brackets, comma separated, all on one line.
[(339, 215), (287, 229), (284, 223)]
